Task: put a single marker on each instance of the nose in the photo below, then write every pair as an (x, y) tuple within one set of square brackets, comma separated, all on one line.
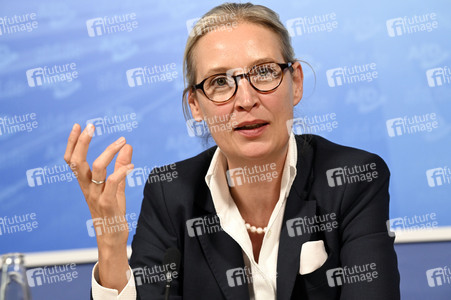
[(246, 96)]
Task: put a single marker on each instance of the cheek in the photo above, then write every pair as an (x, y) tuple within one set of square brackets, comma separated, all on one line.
[(210, 110), (217, 117), (206, 107), (280, 102)]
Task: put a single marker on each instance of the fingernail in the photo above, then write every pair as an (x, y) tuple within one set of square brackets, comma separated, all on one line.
[(73, 127), (90, 130), (120, 141)]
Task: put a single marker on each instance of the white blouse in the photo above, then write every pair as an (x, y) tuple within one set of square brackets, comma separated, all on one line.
[(263, 282)]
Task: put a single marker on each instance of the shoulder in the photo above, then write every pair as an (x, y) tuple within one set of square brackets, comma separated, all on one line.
[(196, 167), (191, 169), (327, 155), (180, 184), (346, 180)]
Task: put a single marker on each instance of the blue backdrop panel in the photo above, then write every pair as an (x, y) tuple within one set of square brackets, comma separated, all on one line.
[(382, 84)]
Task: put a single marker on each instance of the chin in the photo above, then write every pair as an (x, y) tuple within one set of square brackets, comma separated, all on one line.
[(252, 151)]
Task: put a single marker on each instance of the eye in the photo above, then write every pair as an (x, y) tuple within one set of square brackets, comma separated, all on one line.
[(219, 81), (263, 71)]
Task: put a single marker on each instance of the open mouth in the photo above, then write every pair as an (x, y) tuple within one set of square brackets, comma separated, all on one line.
[(251, 126)]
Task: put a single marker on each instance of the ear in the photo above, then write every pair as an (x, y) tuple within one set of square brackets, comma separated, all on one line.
[(298, 82), (194, 106)]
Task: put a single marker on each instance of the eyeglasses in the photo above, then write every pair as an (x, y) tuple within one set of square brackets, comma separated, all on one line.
[(264, 78)]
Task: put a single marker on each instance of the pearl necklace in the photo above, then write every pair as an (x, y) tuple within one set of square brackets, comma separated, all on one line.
[(254, 229)]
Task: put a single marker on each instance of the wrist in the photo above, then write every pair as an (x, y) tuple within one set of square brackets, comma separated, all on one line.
[(108, 251), (113, 268)]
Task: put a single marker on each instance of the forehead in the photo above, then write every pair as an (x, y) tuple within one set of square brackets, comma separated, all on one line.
[(244, 45)]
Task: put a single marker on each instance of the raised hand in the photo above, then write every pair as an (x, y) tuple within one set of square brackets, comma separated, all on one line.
[(106, 200)]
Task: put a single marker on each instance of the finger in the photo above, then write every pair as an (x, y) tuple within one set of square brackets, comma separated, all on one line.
[(71, 142), (112, 183), (82, 146), (124, 157), (101, 163), (78, 159)]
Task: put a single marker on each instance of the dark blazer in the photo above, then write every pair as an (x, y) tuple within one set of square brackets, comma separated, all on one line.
[(361, 237)]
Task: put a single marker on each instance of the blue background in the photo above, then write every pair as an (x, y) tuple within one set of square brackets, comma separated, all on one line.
[(161, 136), (101, 89)]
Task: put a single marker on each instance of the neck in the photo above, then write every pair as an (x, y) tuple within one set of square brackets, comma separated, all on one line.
[(259, 191)]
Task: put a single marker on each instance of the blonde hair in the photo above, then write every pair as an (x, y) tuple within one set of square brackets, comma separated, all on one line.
[(223, 15)]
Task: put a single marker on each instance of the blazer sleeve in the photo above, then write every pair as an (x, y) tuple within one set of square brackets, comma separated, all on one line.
[(364, 237), (155, 233)]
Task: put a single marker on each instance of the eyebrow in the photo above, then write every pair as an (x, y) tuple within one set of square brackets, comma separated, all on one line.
[(220, 70)]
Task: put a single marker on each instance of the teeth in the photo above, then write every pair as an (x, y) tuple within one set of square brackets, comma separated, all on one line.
[(253, 126)]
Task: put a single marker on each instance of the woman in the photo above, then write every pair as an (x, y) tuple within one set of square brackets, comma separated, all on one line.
[(264, 215)]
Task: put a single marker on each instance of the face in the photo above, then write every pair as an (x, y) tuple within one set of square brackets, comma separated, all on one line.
[(245, 46)]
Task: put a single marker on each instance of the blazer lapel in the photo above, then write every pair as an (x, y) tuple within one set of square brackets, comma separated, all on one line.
[(224, 255), (297, 207)]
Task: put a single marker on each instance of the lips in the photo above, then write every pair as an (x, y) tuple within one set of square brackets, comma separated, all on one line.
[(251, 125)]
